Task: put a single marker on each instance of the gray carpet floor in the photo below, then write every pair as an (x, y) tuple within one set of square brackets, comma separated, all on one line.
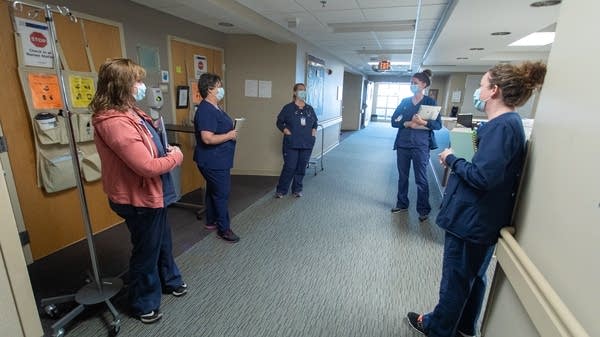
[(335, 262)]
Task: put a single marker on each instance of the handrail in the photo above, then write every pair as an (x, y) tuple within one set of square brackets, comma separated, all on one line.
[(559, 309)]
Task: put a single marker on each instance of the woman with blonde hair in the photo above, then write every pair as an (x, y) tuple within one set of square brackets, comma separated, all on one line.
[(135, 176)]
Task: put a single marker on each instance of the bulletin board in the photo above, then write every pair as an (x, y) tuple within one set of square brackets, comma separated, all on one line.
[(84, 46), (315, 83)]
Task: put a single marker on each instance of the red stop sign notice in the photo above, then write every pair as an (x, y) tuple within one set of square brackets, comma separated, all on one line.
[(38, 39)]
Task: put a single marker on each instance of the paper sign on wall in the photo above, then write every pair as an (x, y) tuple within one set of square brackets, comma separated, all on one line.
[(200, 65), (82, 90), (35, 42), (45, 91)]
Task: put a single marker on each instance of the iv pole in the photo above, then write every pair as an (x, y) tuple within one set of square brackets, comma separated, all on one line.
[(98, 290)]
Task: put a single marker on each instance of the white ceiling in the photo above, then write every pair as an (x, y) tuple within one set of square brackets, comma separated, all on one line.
[(445, 29)]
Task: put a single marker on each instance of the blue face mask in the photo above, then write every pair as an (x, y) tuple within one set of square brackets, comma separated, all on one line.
[(220, 94), (301, 94), (478, 103), (141, 91), (414, 88)]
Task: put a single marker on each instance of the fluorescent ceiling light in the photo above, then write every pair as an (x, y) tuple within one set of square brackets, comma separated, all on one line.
[(535, 39), (384, 51), (394, 63)]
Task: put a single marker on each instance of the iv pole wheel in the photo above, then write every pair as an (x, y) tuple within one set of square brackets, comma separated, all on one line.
[(51, 310), (116, 327), (59, 333)]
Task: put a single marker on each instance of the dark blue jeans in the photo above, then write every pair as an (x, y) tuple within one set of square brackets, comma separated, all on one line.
[(152, 268), (462, 288), (294, 169), (216, 200), (420, 160)]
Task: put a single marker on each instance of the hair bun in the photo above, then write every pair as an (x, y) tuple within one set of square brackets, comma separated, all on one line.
[(427, 72)]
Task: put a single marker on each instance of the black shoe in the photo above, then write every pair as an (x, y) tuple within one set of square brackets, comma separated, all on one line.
[(413, 321), (151, 317), (180, 291), (278, 195), (297, 194), (228, 236), (399, 209), (423, 217)]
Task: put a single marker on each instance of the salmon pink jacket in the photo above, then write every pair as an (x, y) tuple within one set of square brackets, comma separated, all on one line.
[(131, 166)]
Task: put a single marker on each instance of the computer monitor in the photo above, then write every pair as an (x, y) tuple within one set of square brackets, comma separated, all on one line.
[(465, 120)]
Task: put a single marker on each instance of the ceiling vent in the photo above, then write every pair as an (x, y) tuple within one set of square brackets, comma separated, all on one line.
[(293, 23)]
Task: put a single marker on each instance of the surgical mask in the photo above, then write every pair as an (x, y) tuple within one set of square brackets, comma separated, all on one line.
[(220, 94), (478, 103), (141, 91), (301, 94), (414, 88)]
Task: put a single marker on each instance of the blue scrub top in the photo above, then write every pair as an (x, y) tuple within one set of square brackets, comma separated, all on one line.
[(215, 156), (480, 195), (291, 117), (410, 138)]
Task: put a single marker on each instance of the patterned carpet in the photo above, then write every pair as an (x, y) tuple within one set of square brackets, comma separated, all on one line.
[(335, 262)]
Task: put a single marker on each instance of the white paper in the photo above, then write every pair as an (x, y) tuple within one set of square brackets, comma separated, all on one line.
[(251, 88), (199, 65), (264, 89), (238, 123), (456, 96), (429, 112), (36, 43)]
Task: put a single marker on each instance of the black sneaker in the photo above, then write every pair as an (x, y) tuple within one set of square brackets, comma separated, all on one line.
[(399, 209), (298, 194), (228, 236), (151, 317), (413, 321), (278, 195), (423, 217), (180, 291)]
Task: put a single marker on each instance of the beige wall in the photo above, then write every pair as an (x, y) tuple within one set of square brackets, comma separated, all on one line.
[(18, 311), (351, 101), (249, 57), (557, 224)]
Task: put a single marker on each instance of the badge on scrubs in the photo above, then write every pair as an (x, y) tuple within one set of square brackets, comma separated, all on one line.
[(303, 121)]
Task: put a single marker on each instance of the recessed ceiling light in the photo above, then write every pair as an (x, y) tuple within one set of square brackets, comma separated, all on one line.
[(476, 48), (462, 58), (225, 24), (500, 33), (545, 3)]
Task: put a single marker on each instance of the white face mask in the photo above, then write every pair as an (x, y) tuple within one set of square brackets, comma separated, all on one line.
[(478, 103), (301, 94), (140, 92)]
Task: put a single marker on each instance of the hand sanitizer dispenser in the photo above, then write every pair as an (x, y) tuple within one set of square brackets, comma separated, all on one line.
[(154, 98)]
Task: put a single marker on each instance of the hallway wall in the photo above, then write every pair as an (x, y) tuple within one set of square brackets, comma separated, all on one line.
[(559, 211)]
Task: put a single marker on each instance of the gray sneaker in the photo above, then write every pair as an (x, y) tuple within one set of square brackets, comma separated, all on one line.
[(399, 209)]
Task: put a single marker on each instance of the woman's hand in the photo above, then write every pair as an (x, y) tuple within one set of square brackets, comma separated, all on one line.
[(442, 156), (418, 120), (287, 132)]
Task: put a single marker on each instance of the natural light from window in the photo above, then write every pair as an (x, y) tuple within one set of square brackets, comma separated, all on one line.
[(388, 96)]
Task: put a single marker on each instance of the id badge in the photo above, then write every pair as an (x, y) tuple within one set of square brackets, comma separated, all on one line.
[(303, 121)]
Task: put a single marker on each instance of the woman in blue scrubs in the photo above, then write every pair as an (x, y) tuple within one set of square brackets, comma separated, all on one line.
[(298, 122), (215, 147), (413, 144), (479, 199)]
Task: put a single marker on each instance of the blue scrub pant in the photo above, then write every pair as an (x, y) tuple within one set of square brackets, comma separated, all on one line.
[(420, 160), (152, 268), (462, 288), (216, 201), (294, 169)]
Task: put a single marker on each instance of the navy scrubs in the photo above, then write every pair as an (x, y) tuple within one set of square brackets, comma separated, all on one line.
[(478, 202), (298, 146), (215, 162), (413, 145)]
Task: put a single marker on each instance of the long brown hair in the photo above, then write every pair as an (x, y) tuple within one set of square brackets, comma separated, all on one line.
[(115, 80)]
